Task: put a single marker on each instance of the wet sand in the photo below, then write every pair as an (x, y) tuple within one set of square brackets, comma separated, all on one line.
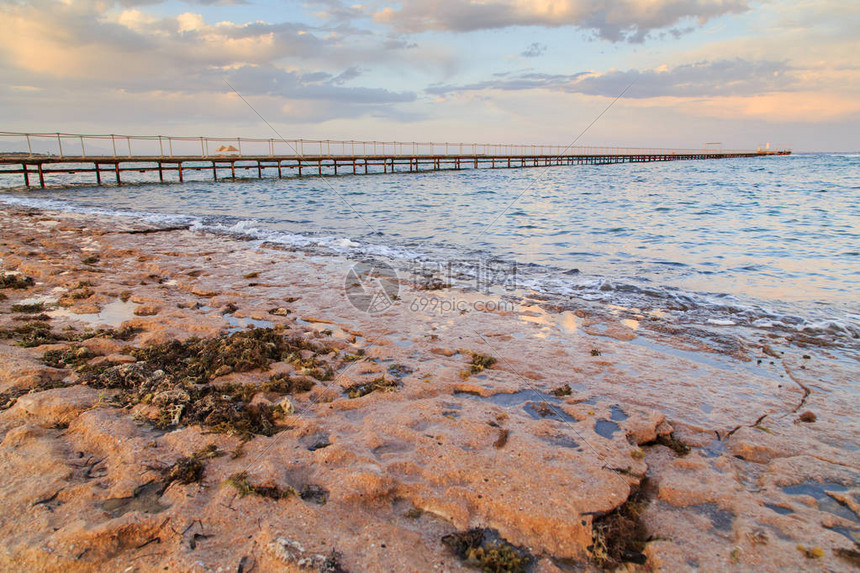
[(530, 438)]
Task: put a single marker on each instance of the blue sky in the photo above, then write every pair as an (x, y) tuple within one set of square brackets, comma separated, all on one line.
[(742, 72)]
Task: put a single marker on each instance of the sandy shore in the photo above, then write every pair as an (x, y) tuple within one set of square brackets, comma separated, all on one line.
[(443, 438)]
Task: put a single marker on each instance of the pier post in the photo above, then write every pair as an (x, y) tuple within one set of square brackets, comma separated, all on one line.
[(41, 176), (214, 170), (116, 169), (160, 172), (26, 175), (98, 174), (259, 170), (179, 166)]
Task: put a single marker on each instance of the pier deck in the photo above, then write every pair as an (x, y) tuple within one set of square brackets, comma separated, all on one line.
[(32, 168)]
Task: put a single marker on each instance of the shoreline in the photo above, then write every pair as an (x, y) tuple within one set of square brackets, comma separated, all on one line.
[(410, 464)]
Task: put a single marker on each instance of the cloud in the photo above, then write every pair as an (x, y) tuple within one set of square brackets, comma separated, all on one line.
[(736, 77), (79, 50), (614, 20), (534, 50)]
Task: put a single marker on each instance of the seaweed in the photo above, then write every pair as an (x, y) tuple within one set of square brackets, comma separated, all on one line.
[(91, 260), (174, 379), (32, 317), (480, 362), (81, 293), (9, 397), (620, 535), (484, 549), (34, 308), (15, 281), (284, 384), (73, 357), (244, 488), (200, 360), (35, 333), (562, 391), (377, 384), (186, 470), (400, 370), (811, 552), (190, 469), (673, 443)]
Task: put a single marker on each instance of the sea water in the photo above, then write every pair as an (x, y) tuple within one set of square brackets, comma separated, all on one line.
[(760, 242)]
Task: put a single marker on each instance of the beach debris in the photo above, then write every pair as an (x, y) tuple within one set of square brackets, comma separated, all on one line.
[(850, 555), (279, 311), (595, 352), (144, 499), (432, 284), (502, 439), (290, 551), (246, 564), (90, 260), (808, 417), (313, 493), (15, 281), (486, 550), (381, 384), (252, 275)]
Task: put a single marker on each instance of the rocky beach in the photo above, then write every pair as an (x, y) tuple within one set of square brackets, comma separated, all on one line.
[(176, 400)]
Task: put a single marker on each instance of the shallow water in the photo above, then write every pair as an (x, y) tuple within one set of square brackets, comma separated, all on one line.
[(747, 241)]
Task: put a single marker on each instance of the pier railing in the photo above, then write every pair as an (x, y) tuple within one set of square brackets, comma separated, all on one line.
[(77, 145)]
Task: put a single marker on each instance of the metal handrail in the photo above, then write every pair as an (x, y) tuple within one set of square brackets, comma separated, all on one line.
[(118, 146)]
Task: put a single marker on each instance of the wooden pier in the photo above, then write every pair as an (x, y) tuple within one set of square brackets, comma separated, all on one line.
[(129, 159)]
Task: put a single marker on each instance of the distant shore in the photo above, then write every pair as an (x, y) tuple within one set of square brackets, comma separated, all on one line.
[(146, 427)]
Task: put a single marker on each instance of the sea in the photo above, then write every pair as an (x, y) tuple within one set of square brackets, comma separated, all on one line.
[(767, 243)]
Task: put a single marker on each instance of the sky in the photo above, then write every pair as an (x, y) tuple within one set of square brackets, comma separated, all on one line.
[(744, 73)]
